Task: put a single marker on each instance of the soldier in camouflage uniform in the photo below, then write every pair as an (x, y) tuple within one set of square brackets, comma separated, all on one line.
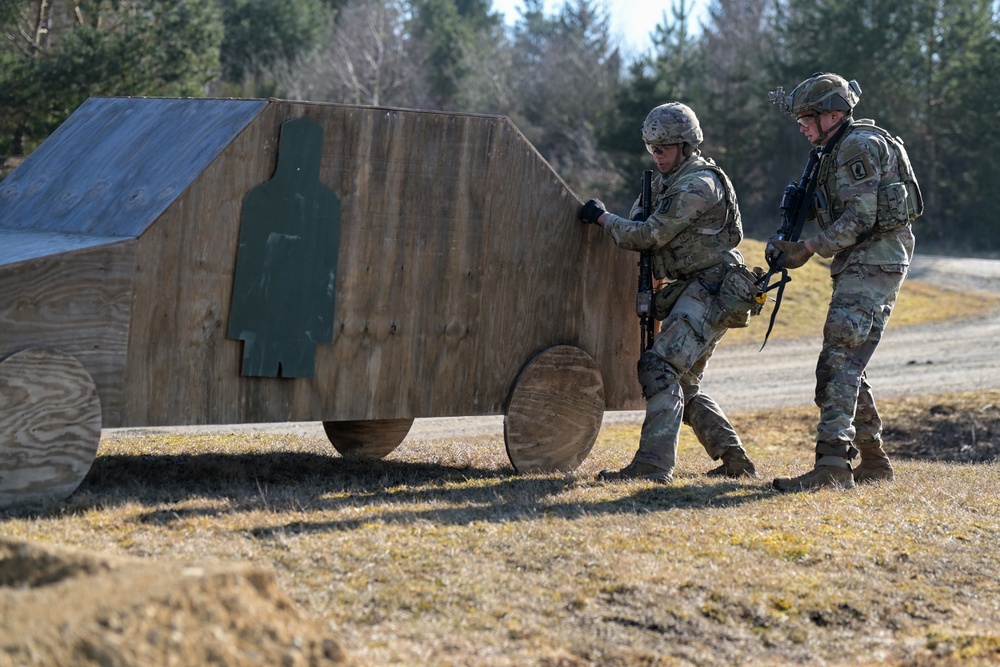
[(866, 198), (692, 233)]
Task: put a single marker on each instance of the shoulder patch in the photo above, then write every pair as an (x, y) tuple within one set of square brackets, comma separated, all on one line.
[(665, 206), (859, 171)]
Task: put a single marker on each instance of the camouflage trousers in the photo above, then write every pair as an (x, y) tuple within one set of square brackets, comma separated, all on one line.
[(670, 374), (863, 297)]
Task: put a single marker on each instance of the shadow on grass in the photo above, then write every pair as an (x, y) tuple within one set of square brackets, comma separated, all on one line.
[(160, 477), (529, 499), (392, 492)]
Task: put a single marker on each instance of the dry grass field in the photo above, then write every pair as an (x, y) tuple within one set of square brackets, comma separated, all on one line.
[(440, 555)]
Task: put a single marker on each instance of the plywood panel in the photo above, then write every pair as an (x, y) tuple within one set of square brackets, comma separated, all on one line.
[(461, 258), (181, 369), (18, 245), (555, 411), (77, 303), (117, 163), (50, 426)]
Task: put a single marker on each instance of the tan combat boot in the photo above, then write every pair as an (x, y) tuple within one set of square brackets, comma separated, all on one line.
[(833, 468), (874, 466), (637, 471), (735, 463), (818, 477)]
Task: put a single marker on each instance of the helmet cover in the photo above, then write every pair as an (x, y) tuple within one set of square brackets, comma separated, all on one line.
[(671, 123), (820, 93)]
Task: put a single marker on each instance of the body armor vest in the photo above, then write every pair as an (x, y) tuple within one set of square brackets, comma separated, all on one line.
[(899, 198), (709, 240)]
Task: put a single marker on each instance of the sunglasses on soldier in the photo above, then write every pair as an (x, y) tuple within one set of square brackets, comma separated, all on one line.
[(805, 118), (657, 149)]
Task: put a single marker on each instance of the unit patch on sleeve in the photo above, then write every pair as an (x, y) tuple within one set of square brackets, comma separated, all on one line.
[(665, 206), (858, 170)]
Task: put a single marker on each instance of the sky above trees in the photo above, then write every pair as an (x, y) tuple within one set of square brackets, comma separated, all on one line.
[(632, 21)]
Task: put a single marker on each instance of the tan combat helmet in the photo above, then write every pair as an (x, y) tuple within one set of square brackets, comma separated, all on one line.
[(820, 93), (671, 123)]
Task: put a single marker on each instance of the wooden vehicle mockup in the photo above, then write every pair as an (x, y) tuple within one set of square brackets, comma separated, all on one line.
[(194, 261)]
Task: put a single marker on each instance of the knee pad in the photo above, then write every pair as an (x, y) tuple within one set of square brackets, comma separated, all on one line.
[(655, 374)]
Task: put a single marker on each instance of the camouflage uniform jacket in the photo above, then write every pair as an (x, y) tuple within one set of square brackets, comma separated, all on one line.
[(695, 223), (856, 206)]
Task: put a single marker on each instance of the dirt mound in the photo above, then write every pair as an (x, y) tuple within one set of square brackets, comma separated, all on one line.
[(70, 608)]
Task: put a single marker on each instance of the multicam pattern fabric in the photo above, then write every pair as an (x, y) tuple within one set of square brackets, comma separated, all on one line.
[(672, 123), (863, 298), (821, 92), (695, 223), (695, 228), (869, 265), (858, 226)]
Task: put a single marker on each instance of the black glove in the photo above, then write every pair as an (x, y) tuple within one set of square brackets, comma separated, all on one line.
[(592, 210)]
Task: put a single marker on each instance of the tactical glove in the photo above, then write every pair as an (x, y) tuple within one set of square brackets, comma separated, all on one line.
[(771, 253), (592, 210), (793, 253)]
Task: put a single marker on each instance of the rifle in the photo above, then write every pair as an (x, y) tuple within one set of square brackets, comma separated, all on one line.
[(796, 201), (644, 294)]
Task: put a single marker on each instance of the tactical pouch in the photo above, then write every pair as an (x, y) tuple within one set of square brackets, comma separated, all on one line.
[(664, 300), (735, 301), (898, 204)]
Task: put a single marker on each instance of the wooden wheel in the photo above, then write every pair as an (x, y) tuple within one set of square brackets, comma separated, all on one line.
[(50, 425), (367, 439), (555, 411)]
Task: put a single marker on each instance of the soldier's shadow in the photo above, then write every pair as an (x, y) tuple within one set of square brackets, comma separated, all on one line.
[(391, 491)]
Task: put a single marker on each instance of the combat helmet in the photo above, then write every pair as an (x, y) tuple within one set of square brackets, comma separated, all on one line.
[(820, 93), (671, 123)]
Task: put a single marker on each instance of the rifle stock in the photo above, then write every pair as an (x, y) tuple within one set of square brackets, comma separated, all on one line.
[(644, 293)]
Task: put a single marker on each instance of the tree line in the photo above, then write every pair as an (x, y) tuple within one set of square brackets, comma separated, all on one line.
[(928, 70)]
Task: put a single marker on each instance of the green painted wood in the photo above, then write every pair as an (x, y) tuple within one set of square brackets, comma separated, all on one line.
[(286, 266)]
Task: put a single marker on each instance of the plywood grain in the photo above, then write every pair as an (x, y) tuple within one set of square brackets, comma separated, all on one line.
[(555, 411), (117, 163), (76, 302), (460, 259), (50, 425), (367, 439)]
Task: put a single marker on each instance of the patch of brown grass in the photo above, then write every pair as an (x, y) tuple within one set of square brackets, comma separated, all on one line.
[(439, 555)]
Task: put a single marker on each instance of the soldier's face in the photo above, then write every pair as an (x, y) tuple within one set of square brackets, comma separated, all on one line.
[(665, 157), (813, 125)]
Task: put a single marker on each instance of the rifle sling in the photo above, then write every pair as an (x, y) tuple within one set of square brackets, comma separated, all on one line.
[(785, 279)]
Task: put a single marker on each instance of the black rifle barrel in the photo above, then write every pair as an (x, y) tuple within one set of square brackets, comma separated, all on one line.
[(644, 293)]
